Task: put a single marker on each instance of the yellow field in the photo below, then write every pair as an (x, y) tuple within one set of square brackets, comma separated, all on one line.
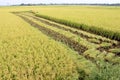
[(28, 52)]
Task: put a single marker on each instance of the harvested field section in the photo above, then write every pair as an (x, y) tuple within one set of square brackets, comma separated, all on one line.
[(70, 35), (68, 28), (81, 34)]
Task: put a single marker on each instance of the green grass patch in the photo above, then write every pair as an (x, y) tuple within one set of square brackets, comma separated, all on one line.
[(105, 45), (94, 41), (116, 50)]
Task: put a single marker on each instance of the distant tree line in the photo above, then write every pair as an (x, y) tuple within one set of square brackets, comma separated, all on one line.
[(29, 4)]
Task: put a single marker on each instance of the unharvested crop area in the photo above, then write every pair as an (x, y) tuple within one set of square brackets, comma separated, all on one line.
[(59, 43)]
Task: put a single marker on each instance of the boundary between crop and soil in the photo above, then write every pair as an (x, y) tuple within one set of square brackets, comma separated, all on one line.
[(92, 29), (101, 49), (66, 29)]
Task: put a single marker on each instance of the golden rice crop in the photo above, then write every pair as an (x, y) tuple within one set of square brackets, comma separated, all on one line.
[(28, 54)]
